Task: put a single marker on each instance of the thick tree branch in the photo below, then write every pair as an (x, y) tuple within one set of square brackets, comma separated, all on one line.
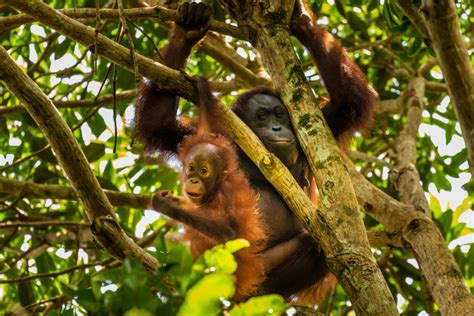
[(451, 50), (54, 191), (444, 279), (436, 87), (419, 234), (379, 239), (72, 160), (337, 225), (166, 78), (426, 67), (160, 14), (408, 180)]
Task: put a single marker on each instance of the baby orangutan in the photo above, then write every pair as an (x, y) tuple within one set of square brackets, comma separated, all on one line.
[(218, 205)]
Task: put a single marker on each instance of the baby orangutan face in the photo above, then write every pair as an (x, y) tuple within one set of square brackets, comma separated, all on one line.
[(203, 172)]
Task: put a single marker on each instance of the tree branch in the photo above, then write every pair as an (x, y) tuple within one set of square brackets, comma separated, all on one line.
[(128, 95), (54, 191), (71, 158), (408, 179), (367, 158), (413, 14), (160, 14), (41, 224), (337, 225), (453, 57), (218, 49), (55, 274), (419, 234), (166, 78)]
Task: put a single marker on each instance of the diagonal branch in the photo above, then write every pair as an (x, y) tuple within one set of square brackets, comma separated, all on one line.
[(73, 161), (419, 234), (160, 14), (166, 78), (337, 225)]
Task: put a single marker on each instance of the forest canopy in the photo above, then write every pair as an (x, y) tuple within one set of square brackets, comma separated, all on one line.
[(77, 232)]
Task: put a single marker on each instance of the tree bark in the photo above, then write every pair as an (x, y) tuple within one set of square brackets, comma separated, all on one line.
[(408, 178), (451, 50), (420, 235), (337, 224), (54, 191), (160, 14)]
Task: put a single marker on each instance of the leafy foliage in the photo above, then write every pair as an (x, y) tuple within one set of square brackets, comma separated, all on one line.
[(380, 39)]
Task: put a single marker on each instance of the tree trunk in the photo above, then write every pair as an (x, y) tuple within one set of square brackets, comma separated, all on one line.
[(344, 239)]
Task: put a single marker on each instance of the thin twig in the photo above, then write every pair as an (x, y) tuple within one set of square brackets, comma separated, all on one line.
[(42, 224), (55, 274)]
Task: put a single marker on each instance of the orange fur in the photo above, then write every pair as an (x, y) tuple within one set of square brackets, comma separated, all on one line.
[(315, 294), (235, 203)]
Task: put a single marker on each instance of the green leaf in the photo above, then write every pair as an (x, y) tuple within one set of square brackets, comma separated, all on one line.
[(107, 184), (45, 263), (204, 298), (44, 175), (459, 158), (138, 312), (357, 24), (435, 206), (94, 151), (221, 259), (26, 293), (445, 221), (260, 306), (61, 49), (373, 5), (237, 244), (465, 206), (147, 178), (86, 299), (416, 46), (340, 7)]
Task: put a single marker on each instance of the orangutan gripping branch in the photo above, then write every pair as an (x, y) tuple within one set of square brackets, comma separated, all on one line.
[(294, 261), (218, 205)]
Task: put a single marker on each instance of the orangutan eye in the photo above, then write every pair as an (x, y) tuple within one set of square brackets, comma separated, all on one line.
[(190, 169), (279, 113), (262, 114), (203, 171)]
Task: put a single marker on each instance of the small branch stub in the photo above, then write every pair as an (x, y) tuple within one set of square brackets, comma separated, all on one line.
[(267, 161)]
